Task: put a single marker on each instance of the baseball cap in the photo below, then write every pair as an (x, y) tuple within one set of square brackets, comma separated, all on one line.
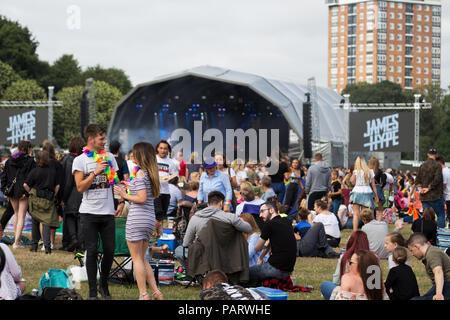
[(209, 163), (432, 150)]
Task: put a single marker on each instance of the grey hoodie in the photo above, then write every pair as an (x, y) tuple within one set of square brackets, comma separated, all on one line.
[(319, 178), (200, 218)]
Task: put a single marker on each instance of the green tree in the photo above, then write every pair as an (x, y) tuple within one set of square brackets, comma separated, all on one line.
[(67, 118), (380, 92), (7, 76), (65, 72), (18, 48), (24, 90), (113, 76)]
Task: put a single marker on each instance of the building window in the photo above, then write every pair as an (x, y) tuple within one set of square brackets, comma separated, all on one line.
[(399, 37), (391, 26), (399, 58), (399, 80), (399, 69), (391, 58), (419, 17), (418, 49), (391, 36), (399, 47), (418, 70), (419, 28), (418, 60), (419, 39), (391, 68), (399, 16)]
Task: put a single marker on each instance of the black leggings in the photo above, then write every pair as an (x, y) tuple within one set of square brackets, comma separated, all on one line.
[(92, 225), (291, 195), (315, 196), (9, 212), (36, 233)]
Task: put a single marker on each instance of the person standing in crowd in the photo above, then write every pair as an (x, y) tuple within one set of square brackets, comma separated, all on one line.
[(363, 191), (380, 183), (401, 282), (347, 185), (12, 285), (130, 162), (427, 225), (166, 167), (446, 179), (97, 206), (336, 195), (181, 164), (252, 176), (214, 180), (124, 172), (357, 241), (430, 182), (266, 185), (318, 181), (194, 165), (437, 266), (13, 177), (57, 166), (239, 168), (282, 243), (222, 166), (278, 178), (295, 183), (42, 184), (71, 198), (141, 217)]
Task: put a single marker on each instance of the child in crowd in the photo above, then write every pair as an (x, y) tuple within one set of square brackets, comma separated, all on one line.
[(303, 226), (401, 282), (391, 241)]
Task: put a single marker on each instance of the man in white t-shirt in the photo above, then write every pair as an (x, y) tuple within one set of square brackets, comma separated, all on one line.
[(97, 209), (446, 180), (166, 167)]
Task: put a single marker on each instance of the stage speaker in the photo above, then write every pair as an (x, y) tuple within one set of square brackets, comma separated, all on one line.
[(307, 130)]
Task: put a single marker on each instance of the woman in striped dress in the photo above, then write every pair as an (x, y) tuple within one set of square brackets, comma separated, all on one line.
[(144, 188)]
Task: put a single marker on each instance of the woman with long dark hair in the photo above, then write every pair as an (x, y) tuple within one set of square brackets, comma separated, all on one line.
[(357, 241), (141, 221), (13, 177), (364, 269)]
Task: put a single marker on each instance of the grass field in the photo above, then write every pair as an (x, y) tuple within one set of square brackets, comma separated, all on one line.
[(308, 271)]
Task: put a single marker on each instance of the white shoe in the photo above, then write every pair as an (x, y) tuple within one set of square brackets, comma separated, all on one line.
[(43, 248), (52, 246), (18, 246)]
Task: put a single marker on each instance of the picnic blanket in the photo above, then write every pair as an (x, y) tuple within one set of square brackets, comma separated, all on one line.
[(285, 284)]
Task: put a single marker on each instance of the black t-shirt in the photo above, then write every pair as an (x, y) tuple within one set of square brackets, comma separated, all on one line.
[(279, 176), (427, 227), (282, 241), (403, 282), (335, 187), (42, 179)]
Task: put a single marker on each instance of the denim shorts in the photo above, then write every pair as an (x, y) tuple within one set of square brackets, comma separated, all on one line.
[(363, 199)]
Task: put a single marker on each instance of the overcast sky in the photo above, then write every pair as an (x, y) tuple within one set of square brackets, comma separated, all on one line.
[(281, 39)]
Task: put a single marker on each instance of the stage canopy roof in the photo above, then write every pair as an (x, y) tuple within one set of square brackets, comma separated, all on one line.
[(287, 96)]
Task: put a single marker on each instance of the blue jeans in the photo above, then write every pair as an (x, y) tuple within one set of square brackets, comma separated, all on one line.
[(438, 207), (261, 272), (280, 190), (429, 295), (327, 288), (334, 207)]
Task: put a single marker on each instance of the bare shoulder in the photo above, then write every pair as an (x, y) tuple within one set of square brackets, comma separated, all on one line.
[(140, 174)]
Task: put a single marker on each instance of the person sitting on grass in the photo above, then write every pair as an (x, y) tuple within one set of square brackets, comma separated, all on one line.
[(355, 283), (357, 241), (392, 241), (303, 226), (252, 238), (215, 287), (11, 283), (376, 232), (329, 220), (437, 266), (401, 282), (427, 225)]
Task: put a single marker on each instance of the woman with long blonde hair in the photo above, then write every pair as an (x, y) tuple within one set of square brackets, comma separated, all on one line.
[(362, 195), (141, 221), (238, 166)]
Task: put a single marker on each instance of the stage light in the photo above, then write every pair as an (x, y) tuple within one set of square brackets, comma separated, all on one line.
[(176, 97), (203, 97), (231, 97), (175, 114), (156, 114)]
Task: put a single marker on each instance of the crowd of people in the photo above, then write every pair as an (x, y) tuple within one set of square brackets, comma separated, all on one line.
[(299, 211)]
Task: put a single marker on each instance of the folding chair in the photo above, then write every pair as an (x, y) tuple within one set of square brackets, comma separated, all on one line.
[(122, 257)]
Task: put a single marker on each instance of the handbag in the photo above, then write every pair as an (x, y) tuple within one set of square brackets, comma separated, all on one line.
[(55, 278), (10, 187)]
